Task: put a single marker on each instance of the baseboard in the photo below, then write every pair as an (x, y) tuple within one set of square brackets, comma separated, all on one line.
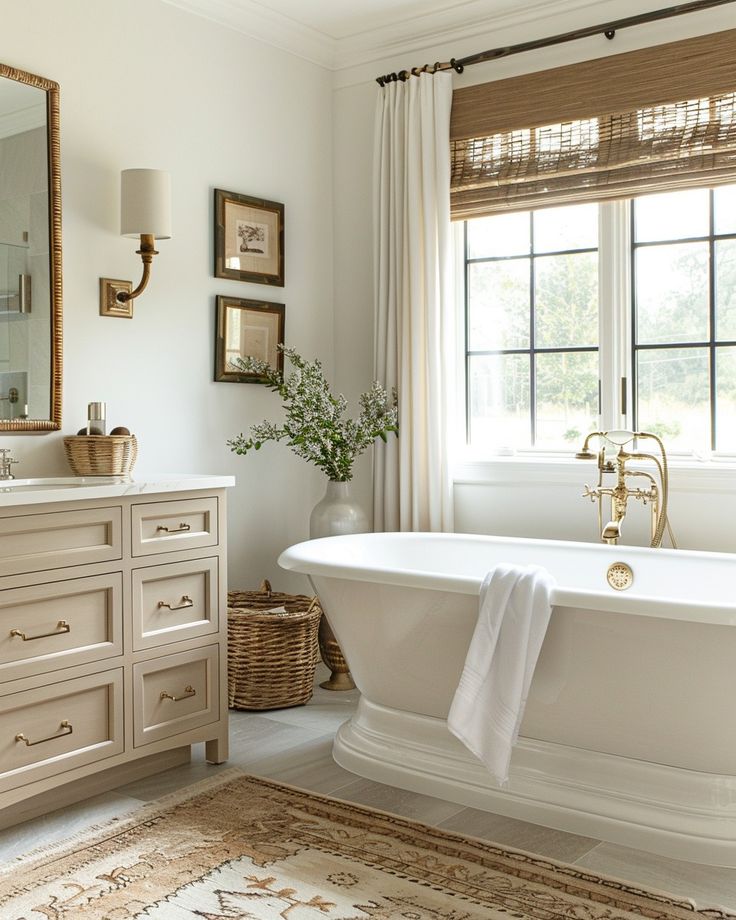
[(89, 786)]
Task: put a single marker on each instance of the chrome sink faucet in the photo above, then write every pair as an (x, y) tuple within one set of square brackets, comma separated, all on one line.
[(6, 463), (655, 492)]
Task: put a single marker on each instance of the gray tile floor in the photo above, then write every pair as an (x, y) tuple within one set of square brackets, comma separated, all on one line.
[(294, 746)]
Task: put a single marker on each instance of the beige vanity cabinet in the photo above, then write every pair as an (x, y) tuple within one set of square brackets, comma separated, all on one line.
[(113, 631)]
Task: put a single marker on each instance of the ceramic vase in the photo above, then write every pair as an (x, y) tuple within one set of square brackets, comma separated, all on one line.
[(337, 513)]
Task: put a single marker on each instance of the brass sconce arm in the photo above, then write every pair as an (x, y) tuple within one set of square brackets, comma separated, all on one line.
[(146, 252)]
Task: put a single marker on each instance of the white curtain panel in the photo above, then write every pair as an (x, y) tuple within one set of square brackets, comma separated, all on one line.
[(415, 321)]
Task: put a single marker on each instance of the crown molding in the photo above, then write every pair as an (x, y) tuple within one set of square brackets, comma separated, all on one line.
[(471, 24), (267, 26), (406, 36), (22, 120), (451, 25)]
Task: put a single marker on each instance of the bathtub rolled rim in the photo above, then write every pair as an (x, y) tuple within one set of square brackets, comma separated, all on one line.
[(304, 558)]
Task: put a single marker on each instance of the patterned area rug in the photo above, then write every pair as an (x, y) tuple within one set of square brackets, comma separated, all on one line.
[(236, 848)]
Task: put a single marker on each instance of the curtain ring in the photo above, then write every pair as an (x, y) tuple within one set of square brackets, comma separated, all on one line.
[(458, 68), (610, 34)]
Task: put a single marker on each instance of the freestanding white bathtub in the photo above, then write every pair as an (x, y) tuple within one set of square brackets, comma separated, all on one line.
[(629, 733)]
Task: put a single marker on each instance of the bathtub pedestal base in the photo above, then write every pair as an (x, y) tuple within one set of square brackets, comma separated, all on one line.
[(678, 813)]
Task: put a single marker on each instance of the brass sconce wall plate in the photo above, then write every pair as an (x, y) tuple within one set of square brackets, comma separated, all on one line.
[(109, 303)]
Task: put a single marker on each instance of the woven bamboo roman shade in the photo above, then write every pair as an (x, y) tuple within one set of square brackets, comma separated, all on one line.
[(653, 120)]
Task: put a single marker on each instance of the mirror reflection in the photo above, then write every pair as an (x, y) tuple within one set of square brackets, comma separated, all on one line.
[(29, 275)]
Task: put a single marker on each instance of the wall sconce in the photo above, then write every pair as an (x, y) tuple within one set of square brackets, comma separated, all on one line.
[(145, 212)]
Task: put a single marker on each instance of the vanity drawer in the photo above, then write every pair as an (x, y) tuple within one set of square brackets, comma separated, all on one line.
[(174, 602), (57, 727), (166, 527), (33, 542), (60, 624), (175, 694)]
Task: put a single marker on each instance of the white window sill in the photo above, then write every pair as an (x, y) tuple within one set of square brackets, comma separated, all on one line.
[(685, 473)]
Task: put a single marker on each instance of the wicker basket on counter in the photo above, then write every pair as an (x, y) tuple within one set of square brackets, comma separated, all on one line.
[(271, 656), (101, 455)]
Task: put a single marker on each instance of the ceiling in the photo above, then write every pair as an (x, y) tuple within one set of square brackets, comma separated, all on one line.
[(340, 19), (344, 34), (341, 33), (22, 107)]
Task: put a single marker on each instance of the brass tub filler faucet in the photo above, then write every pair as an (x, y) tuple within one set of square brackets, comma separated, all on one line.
[(654, 492)]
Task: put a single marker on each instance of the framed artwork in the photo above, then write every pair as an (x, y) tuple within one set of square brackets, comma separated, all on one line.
[(249, 238), (247, 328)]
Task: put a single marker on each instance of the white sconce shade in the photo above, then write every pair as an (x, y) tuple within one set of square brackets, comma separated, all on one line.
[(145, 213), (145, 203)]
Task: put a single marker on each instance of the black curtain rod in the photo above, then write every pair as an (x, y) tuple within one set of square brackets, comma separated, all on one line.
[(608, 29)]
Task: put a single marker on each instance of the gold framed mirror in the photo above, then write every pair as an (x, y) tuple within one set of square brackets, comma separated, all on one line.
[(30, 253)]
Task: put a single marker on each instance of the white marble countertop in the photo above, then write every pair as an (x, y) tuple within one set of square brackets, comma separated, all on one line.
[(77, 488)]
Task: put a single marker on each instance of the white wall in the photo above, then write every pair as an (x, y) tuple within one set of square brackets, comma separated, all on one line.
[(145, 84), (353, 283), (501, 498)]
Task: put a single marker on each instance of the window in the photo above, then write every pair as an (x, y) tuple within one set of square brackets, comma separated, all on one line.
[(684, 329), (614, 315)]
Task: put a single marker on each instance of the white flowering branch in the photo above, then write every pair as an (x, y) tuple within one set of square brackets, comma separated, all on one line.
[(315, 428)]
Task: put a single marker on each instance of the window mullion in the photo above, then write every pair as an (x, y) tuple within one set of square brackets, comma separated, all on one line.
[(614, 280)]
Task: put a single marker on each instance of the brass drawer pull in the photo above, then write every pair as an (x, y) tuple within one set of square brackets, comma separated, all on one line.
[(64, 729), (186, 601), (61, 627), (188, 690), (182, 528)]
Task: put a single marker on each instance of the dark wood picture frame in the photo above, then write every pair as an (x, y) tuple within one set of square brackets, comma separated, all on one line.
[(249, 238), (265, 331)]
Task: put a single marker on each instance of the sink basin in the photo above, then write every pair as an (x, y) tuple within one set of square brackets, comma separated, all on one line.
[(62, 482)]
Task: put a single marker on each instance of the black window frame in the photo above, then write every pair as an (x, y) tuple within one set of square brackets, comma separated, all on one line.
[(531, 351), (711, 343)]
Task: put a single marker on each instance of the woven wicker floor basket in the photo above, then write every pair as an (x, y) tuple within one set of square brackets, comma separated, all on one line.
[(271, 656)]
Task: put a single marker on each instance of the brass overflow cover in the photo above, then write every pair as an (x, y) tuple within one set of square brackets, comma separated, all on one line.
[(620, 576)]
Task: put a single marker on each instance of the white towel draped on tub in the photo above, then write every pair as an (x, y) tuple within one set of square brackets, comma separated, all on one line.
[(488, 705)]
